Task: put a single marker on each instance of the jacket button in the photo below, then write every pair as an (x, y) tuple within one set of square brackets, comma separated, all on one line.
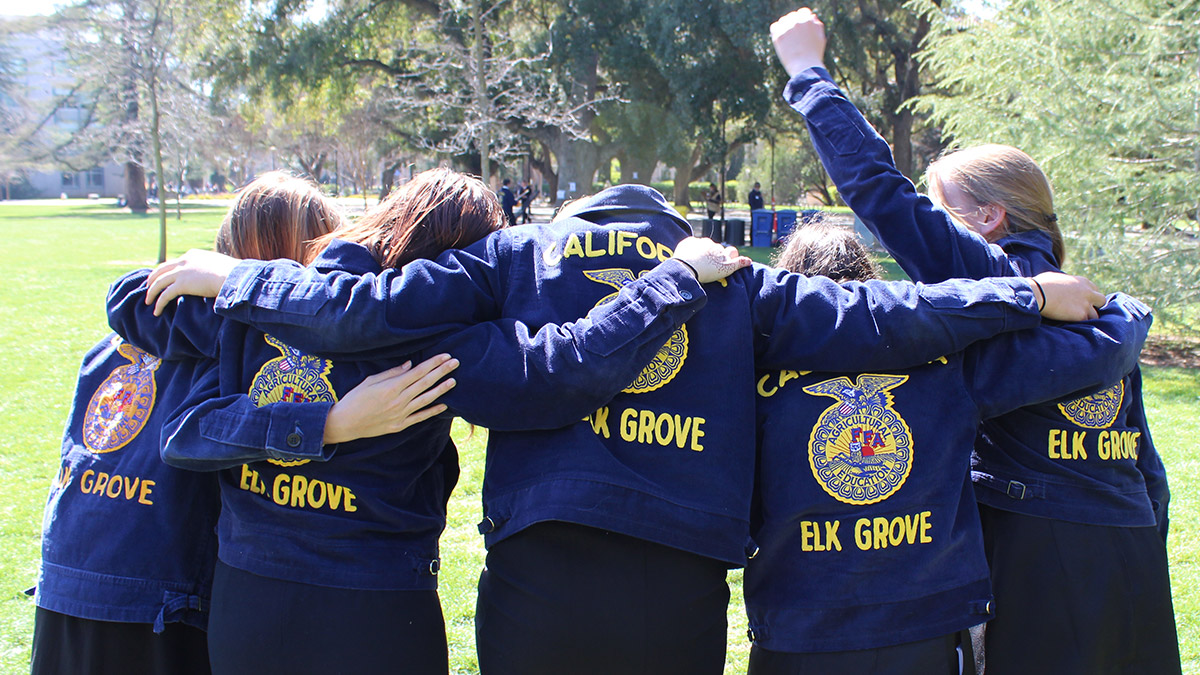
[(293, 440), (686, 295)]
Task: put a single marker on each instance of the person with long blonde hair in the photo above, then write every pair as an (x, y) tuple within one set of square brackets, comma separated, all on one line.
[(1072, 493), (871, 559)]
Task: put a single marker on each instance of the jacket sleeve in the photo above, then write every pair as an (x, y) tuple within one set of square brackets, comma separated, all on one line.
[(813, 323), (394, 312), (921, 237), (510, 380), (1057, 360), (187, 329), (210, 432), (1149, 462)]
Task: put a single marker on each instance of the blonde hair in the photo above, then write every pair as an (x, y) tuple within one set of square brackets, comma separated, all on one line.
[(1004, 176), (275, 216), (823, 249), (438, 209)]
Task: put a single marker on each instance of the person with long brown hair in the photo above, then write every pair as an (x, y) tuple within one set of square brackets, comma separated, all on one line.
[(1073, 495), (128, 542)]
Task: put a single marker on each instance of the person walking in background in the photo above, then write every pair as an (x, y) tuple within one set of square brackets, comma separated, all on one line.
[(712, 203), (508, 201), (525, 196), (712, 200), (756, 197), (1073, 494)]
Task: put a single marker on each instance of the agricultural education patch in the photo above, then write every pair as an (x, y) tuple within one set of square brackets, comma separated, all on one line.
[(1096, 411), (122, 403), (670, 357), (860, 450), (293, 377)]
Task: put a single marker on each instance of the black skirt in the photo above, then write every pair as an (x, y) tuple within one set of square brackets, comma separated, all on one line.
[(69, 645), (562, 598), (1075, 598), (261, 625)]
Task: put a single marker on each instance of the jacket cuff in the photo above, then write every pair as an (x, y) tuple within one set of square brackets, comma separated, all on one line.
[(809, 80), (239, 284), (297, 431)]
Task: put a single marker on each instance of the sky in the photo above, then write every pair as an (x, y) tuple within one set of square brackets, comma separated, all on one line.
[(27, 7)]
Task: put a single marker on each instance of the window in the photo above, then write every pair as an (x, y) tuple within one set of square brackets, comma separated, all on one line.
[(95, 177), (69, 179)]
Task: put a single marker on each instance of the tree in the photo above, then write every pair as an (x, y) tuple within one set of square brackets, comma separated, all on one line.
[(130, 54), (1106, 96), (873, 56)]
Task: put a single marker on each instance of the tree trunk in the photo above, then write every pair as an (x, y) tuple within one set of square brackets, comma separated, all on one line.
[(156, 140), (577, 163), (481, 104), (684, 174), (637, 172), (135, 172), (545, 166), (312, 166), (135, 187)]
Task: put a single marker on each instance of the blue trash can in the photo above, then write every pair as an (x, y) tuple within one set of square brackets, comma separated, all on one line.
[(762, 227), (784, 224)]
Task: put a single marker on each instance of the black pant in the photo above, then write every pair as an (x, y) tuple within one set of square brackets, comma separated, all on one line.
[(1073, 598), (560, 598), (938, 656), (261, 626), (68, 645)]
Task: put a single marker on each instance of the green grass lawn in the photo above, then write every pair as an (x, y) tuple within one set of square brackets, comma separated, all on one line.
[(51, 311)]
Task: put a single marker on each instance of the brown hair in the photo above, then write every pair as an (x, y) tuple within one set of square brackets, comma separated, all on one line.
[(275, 216), (438, 209), (1004, 176), (822, 249)]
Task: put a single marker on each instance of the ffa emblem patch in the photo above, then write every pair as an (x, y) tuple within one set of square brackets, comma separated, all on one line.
[(292, 378), (1096, 411), (860, 450), (670, 357), (122, 404)]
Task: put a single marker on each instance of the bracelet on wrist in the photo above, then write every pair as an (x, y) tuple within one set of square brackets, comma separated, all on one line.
[(1042, 291), (691, 267)]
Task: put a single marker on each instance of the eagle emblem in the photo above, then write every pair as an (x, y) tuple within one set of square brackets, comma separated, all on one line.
[(292, 377), (1096, 411), (118, 410), (860, 450), (670, 357)]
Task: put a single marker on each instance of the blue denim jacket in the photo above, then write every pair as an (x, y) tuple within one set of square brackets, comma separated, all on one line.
[(126, 537), (1088, 460), (866, 518)]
